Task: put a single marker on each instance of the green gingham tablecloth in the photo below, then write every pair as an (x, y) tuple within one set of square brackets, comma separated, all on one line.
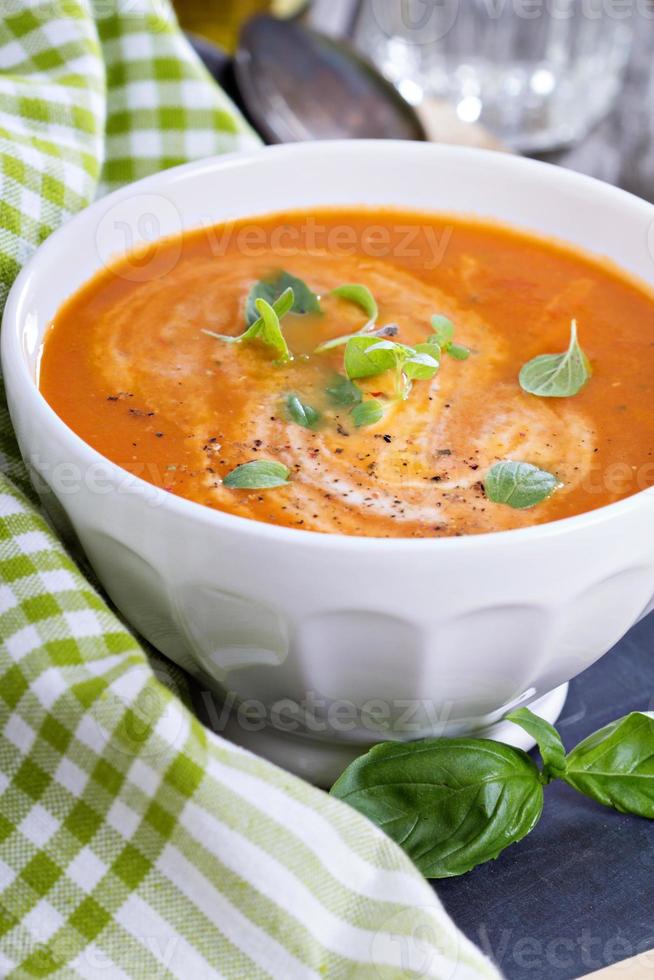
[(134, 842)]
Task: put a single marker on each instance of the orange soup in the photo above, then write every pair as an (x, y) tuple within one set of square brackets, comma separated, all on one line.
[(379, 373)]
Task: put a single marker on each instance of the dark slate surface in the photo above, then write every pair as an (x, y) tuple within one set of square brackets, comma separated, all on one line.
[(578, 893)]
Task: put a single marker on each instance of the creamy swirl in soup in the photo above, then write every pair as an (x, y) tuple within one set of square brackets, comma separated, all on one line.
[(141, 364)]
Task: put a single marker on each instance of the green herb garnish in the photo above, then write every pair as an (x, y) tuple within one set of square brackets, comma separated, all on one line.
[(270, 330), (304, 299), (260, 474), (342, 340), (361, 295), (367, 357), (443, 329), (302, 413), (557, 375), (342, 391), (519, 485), (367, 413), (450, 803), (444, 332), (547, 738), (455, 803), (615, 766), (266, 328)]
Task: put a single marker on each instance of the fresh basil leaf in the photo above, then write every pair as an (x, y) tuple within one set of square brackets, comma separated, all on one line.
[(342, 391), (260, 474), (421, 365), (367, 413), (458, 352), (304, 299), (557, 375), (443, 328), (450, 803), (547, 738), (361, 295), (519, 485), (302, 413), (366, 357), (615, 765)]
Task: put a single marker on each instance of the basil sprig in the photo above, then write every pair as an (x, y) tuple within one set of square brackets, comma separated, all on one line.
[(455, 803), (557, 375), (260, 474), (267, 327), (304, 298), (519, 485)]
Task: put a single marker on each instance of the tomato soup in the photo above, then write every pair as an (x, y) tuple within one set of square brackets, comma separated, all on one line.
[(365, 372)]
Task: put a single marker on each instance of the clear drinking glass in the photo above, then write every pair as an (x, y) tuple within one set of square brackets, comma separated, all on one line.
[(538, 73)]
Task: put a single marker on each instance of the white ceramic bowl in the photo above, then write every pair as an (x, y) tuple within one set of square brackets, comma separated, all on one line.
[(339, 642)]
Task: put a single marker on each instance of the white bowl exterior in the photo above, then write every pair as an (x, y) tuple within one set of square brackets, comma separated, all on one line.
[(345, 639)]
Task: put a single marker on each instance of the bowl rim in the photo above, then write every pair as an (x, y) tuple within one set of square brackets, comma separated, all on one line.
[(14, 363)]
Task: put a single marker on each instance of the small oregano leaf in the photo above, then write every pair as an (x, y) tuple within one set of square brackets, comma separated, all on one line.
[(266, 328), (444, 333), (459, 352), (421, 365), (260, 474), (367, 413), (366, 357), (304, 299), (270, 330), (450, 803), (615, 765), (547, 738), (361, 296), (342, 391), (302, 413), (557, 375), (443, 328), (519, 485)]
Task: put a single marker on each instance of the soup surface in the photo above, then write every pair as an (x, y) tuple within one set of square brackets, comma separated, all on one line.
[(407, 451)]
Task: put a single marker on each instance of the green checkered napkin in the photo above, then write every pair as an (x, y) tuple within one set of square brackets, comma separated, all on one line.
[(133, 842)]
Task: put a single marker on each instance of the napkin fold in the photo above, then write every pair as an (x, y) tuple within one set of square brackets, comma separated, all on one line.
[(133, 841)]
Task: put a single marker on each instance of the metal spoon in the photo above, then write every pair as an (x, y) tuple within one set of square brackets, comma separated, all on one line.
[(296, 84)]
